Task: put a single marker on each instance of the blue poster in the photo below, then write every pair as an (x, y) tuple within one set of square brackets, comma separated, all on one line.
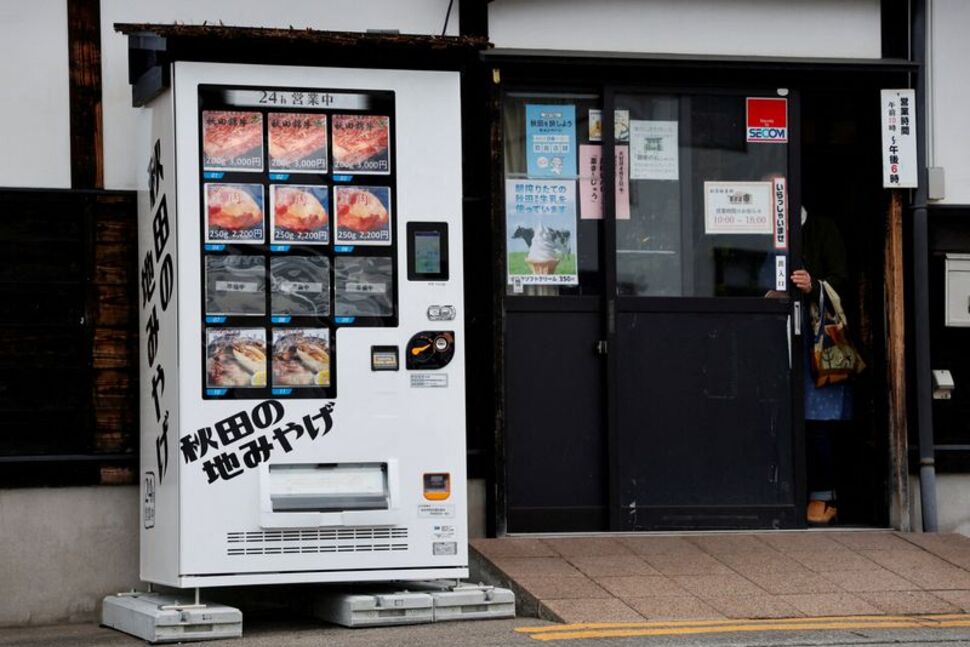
[(550, 136)]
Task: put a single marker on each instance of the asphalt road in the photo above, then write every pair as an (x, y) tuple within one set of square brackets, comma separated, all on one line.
[(264, 633)]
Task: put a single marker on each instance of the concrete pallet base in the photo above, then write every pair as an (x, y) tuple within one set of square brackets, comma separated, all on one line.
[(161, 618), (421, 603)]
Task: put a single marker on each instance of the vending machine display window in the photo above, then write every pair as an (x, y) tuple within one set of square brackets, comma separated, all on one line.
[(235, 285), (300, 286), (298, 218)]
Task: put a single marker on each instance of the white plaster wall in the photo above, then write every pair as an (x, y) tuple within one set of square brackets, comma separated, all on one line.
[(952, 503), (35, 117), (63, 549), (820, 28), (949, 96), (126, 127)]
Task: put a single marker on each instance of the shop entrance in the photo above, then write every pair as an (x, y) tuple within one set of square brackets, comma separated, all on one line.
[(841, 172), (652, 365)]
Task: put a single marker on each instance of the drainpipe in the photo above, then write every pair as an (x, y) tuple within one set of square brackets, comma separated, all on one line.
[(921, 278)]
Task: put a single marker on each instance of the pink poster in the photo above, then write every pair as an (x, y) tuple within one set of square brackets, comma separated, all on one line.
[(591, 180)]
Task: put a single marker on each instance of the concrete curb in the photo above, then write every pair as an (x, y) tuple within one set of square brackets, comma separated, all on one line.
[(526, 604)]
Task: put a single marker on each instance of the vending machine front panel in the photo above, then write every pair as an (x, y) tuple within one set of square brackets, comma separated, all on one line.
[(298, 453)]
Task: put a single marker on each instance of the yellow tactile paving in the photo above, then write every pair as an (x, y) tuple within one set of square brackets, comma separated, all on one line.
[(694, 627)]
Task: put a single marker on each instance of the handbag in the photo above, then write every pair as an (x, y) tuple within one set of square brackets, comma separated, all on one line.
[(834, 358)]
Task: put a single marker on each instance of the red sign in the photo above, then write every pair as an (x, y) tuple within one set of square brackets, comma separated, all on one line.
[(767, 120)]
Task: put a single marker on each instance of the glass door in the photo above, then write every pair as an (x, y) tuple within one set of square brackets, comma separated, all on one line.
[(650, 340), (554, 371), (701, 323)]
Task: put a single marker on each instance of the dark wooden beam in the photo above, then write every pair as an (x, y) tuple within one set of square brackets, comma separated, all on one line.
[(896, 364), (84, 53), (895, 18), (473, 18)]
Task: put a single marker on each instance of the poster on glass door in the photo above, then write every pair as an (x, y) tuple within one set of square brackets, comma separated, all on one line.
[(738, 208), (655, 154), (540, 220), (591, 182), (621, 125), (550, 135)]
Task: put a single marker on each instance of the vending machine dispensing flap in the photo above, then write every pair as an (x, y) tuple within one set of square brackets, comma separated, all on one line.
[(316, 495), (328, 488)]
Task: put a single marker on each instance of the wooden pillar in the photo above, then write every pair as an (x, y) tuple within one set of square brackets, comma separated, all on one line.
[(896, 364), (84, 59)]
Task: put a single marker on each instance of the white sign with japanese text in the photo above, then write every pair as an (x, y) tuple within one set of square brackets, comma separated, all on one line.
[(781, 273), (738, 208), (654, 151), (899, 139)]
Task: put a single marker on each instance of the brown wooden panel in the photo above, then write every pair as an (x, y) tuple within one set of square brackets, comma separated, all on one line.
[(48, 305), (112, 441), (115, 475), (30, 392), (113, 383), (113, 226), (113, 263), (896, 364), (41, 346), (113, 307), (84, 54), (113, 348), (112, 420), (114, 402), (66, 320), (53, 219), (40, 262), (43, 432)]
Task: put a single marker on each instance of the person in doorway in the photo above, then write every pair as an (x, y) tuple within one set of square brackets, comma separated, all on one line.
[(824, 259)]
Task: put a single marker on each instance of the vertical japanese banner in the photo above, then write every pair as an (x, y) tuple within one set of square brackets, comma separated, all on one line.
[(899, 139), (591, 182), (779, 194), (158, 317)]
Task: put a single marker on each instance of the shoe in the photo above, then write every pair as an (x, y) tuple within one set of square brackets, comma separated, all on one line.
[(821, 513)]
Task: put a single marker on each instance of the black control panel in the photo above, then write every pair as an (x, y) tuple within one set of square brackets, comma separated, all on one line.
[(430, 349)]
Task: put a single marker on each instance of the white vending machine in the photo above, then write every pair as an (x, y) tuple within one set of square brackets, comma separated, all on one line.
[(302, 362)]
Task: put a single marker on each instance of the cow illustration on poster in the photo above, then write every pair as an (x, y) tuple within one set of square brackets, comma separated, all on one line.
[(541, 232)]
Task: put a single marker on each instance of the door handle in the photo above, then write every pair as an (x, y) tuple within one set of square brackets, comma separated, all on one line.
[(797, 316)]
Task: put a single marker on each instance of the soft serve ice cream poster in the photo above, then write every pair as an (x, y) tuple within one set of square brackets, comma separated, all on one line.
[(541, 232)]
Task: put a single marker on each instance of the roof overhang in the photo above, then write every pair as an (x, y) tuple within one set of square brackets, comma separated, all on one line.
[(152, 47)]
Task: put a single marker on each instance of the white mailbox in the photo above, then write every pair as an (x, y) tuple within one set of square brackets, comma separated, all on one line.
[(957, 290)]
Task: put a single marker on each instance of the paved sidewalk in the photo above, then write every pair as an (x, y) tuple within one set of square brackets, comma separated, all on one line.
[(782, 574)]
